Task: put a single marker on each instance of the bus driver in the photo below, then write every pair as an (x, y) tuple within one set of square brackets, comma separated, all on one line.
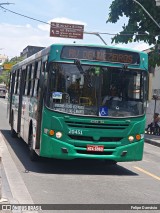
[(113, 95)]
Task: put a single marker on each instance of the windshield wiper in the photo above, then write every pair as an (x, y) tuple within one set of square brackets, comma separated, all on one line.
[(77, 62), (79, 66)]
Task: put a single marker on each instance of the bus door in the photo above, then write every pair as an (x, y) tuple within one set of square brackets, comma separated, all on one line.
[(41, 87)]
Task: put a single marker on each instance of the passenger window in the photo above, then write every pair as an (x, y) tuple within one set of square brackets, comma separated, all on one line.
[(36, 79)]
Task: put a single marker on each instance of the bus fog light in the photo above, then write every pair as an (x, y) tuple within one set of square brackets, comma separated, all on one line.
[(58, 134), (131, 138)]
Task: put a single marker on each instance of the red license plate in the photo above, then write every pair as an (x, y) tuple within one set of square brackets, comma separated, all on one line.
[(94, 148)]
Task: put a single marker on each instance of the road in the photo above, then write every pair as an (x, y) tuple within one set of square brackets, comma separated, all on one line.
[(51, 181)]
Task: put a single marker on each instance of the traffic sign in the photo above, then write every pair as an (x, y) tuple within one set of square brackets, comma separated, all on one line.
[(7, 66), (66, 30)]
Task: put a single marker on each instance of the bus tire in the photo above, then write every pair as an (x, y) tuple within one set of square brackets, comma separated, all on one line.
[(13, 132), (32, 154)]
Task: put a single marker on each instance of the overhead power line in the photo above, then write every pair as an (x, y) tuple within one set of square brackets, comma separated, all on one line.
[(21, 14), (96, 33)]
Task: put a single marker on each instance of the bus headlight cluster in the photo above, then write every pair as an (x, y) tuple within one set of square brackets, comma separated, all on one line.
[(52, 132), (137, 137)]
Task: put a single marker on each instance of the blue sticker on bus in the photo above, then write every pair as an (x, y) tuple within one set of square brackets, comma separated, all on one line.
[(103, 111), (57, 95)]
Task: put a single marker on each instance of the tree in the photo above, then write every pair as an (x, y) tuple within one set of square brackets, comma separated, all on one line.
[(4, 77), (138, 23)]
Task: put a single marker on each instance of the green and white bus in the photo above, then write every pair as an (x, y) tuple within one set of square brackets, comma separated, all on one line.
[(56, 102)]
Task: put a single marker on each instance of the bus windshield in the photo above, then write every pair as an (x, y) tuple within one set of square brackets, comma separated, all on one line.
[(89, 90)]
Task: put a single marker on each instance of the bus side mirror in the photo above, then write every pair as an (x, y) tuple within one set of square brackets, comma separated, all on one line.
[(150, 86)]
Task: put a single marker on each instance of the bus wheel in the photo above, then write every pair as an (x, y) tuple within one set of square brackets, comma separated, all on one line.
[(32, 154), (13, 132)]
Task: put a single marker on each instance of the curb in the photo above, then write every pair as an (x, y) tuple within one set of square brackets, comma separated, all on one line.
[(153, 142)]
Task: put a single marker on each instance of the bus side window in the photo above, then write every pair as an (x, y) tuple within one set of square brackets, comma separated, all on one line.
[(17, 79), (28, 80), (15, 82), (10, 83), (36, 79), (19, 82), (44, 73), (32, 80), (24, 79)]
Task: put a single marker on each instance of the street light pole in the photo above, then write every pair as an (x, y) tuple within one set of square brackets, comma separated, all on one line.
[(97, 34), (147, 13)]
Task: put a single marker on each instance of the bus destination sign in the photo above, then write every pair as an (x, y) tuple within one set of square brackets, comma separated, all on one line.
[(63, 30), (100, 54)]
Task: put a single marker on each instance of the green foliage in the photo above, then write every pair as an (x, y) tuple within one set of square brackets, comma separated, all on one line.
[(138, 22), (16, 59), (4, 77)]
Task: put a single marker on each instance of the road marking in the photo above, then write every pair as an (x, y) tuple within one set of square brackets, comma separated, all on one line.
[(148, 173)]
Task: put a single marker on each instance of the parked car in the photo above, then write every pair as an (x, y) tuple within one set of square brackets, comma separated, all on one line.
[(3, 90)]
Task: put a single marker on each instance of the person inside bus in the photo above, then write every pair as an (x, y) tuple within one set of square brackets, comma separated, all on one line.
[(113, 95), (155, 125)]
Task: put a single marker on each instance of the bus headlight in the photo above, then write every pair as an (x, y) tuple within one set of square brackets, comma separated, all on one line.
[(58, 134), (131, 138)]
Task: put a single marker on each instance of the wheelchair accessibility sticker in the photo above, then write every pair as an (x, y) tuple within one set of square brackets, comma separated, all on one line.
[(103, 111)]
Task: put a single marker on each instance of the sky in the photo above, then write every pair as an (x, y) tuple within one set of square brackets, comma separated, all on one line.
[(17, 32)]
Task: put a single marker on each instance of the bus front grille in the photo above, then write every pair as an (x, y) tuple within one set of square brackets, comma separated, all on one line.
[(109, 126), (93, 153), (101, 139)]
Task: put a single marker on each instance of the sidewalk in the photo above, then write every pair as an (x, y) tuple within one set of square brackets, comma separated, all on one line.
[(152, 139), (13, 190)]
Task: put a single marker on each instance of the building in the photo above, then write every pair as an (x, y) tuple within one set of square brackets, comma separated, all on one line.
[(30, 50), (154, 104), (3, 58)]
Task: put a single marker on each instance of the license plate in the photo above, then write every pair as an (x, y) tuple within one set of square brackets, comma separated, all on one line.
[(94, 148)]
